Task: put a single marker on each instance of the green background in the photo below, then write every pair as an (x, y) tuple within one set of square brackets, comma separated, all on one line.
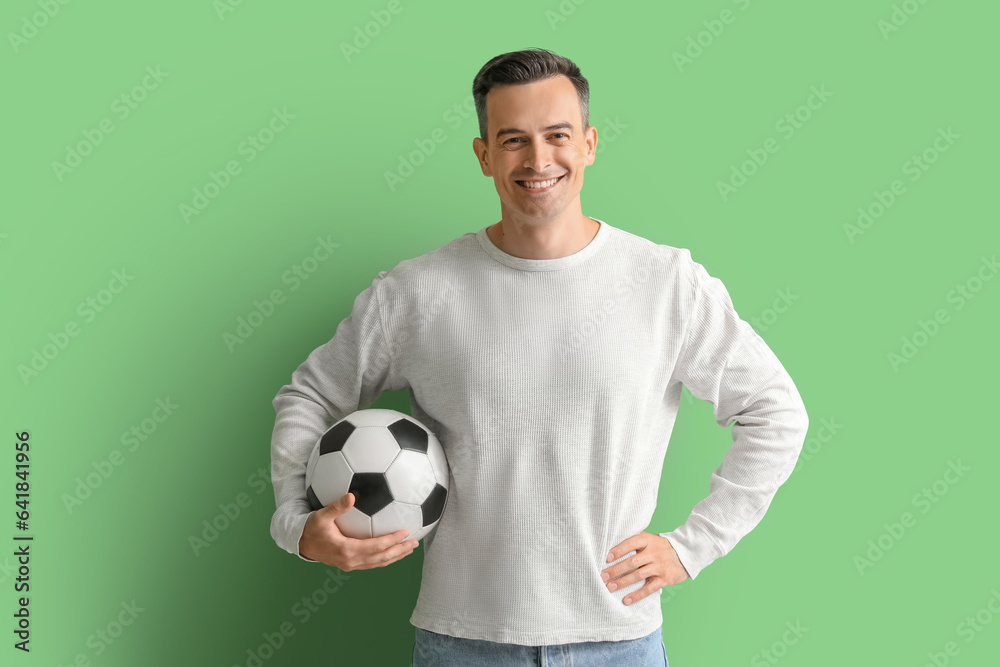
[(669, 135)]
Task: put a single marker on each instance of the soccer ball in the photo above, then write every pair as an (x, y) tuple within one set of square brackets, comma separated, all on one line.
[(394, 466)]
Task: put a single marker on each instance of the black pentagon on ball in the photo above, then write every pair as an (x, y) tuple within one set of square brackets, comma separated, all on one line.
[(409, 435), (314, 502), (371, 491), (334, 439), (434, 505)]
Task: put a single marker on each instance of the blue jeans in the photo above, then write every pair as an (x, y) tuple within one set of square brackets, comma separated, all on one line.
[(436, 650)]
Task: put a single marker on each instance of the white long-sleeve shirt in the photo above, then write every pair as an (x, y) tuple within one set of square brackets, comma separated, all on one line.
[(553, 386)]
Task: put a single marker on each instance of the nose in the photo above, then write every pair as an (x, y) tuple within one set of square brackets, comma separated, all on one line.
[(538, 157)]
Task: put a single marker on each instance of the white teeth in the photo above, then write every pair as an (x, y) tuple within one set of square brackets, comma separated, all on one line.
[(538, 185)]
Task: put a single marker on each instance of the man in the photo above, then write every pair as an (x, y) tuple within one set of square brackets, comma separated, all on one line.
[(547, 352)]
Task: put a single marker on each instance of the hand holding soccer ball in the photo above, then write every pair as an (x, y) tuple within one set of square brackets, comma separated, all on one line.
[(373, 479), (322, 541)]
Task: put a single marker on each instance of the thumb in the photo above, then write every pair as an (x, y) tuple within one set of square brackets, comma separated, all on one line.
[(340, 505)]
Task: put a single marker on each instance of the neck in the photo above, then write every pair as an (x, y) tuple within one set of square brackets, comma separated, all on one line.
[(547, 241)]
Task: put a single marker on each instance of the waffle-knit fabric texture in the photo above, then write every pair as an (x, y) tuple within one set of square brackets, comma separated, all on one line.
[(553, 386)]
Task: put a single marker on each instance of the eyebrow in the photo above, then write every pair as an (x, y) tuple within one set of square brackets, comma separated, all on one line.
[(558, 126)]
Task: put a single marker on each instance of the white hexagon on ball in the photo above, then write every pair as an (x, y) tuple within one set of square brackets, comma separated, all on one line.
[(411, 477)]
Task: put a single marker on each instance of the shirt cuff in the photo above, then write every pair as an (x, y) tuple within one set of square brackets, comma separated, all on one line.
[(694, 552)]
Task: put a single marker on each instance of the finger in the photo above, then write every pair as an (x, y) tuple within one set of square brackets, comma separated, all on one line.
[(379, 545), (338, 506), (386, 557), (630, 578), (392, 539), (375, 544), (621, 549), (634, 543), (625, 566), (651, 587)]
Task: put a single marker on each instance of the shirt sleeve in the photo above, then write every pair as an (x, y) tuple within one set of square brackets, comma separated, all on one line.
[(724, 361), (341, 376)]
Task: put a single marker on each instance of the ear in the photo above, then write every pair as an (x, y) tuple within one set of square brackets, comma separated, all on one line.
[(479, 148), (590, 136)]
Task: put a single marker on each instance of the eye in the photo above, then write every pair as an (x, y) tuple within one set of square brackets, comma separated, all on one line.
[(513, 139), (561, 134)]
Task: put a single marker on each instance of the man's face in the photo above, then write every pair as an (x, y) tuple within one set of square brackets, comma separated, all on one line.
[(535, 133)]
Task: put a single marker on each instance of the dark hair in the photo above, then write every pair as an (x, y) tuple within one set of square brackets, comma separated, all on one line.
[(527, 66)]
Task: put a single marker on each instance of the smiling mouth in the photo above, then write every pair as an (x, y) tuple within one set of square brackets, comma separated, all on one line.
[(539, 185)]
